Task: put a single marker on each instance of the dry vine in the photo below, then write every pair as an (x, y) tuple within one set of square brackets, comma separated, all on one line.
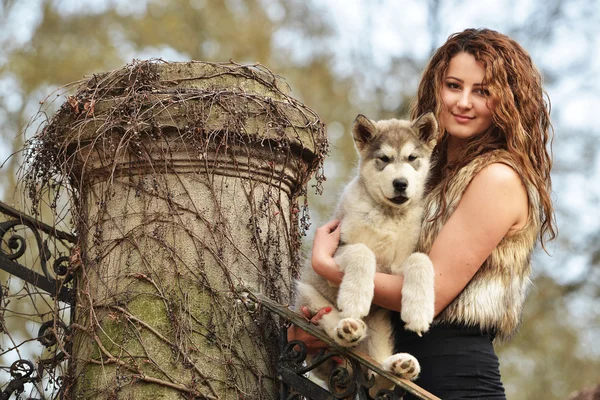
[(183, 181)]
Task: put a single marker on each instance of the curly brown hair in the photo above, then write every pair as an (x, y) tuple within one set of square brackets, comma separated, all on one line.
[(521, 117)]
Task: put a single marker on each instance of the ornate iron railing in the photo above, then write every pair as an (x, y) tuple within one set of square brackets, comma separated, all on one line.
[(47, 377), (347, 381), (28, 248)]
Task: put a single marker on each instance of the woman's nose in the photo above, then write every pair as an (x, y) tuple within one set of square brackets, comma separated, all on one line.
[(464, 101)]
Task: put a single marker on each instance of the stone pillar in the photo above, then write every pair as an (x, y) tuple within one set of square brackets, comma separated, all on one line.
[(185, 180)]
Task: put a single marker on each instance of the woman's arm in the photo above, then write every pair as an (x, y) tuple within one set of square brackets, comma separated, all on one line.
[(494, 204), (325, 243)]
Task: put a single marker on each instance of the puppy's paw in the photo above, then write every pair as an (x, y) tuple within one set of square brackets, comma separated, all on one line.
[(416, 320), (404, 365), (418, 293), (349, 332)]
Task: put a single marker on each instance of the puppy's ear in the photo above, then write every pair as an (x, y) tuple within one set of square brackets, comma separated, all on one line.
[(363, 131), (427, 129)]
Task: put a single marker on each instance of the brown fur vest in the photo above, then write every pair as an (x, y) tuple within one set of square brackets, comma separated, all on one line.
[(493, 299)]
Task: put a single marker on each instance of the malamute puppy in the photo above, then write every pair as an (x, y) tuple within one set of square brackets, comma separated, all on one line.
[(381, 212)]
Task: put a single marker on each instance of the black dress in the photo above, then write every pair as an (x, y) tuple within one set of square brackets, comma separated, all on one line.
[(457, 362)]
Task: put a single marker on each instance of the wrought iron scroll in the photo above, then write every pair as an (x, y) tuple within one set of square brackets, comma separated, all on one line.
[(16, 245), (346, 381), (52, 274)]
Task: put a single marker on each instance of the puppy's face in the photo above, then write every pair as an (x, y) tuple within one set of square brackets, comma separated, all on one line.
[(394, 157)]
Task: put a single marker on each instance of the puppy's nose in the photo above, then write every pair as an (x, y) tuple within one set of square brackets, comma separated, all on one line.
[(400, 185)]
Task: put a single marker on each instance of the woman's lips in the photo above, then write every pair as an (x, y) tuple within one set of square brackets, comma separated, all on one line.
[(462, 118)]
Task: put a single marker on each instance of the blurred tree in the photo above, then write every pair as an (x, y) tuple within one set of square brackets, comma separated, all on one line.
[(550, 355)]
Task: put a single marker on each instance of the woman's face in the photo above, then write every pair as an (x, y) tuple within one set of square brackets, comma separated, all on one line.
[(467, 108)]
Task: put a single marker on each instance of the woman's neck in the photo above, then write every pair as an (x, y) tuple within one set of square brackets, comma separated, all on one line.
[(453, 149)]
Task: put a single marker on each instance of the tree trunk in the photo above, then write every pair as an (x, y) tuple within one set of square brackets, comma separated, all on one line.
[(185, 180)]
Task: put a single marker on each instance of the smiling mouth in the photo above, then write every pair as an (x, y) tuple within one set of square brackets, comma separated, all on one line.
[(398, 199), (463, 117)]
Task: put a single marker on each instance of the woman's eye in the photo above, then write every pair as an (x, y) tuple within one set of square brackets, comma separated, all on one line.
[(483, 92), (452, 85), (385, 159), (412, 157)]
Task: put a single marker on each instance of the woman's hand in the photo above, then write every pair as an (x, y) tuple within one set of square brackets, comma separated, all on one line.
[(313, 344), (327, 239)]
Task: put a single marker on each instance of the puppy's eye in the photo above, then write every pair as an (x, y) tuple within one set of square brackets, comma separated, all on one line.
[(412, 157), (384, 159)]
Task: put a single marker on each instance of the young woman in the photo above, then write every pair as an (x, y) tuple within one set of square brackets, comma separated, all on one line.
[(487, 206)]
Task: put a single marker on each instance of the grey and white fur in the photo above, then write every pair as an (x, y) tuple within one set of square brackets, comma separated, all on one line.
[(381, 213)]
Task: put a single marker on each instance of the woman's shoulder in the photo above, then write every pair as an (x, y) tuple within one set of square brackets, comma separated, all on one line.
[(497, 180), (494, 168), (500, 174), (498, 167), (498, 186)]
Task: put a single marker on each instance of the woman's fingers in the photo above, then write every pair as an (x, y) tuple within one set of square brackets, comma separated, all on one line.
[(330, 226), (312, 342), (325, 244), (306, 312), (327, 239), (315, 319)]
